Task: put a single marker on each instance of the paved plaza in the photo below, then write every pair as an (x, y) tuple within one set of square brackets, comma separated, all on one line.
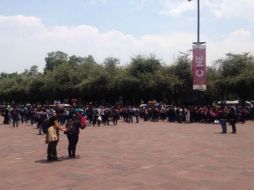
[(144, 156)]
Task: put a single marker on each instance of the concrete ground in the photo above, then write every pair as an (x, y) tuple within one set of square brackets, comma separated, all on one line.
[(144, 156)]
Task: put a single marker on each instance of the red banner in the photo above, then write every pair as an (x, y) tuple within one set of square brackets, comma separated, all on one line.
[(199, 67)]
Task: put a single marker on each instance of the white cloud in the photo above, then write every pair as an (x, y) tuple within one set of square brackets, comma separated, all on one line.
[(219, 8), (25, 41), (175, 8), (232, 9), (239, 41)]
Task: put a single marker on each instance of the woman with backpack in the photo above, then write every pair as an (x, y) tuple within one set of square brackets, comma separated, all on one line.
[(72, 132)]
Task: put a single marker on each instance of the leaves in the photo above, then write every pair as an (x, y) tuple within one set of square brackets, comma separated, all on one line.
[(145, 78)]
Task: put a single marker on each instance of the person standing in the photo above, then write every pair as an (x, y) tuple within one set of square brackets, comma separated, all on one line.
[(89, 114), (15, 117), (41, 118), (107, 114), (72, 132), (222, 114), (6, 116), (114, 116), (232, 119), (187, 115), (136, 114), (52, 138), (96, 117)]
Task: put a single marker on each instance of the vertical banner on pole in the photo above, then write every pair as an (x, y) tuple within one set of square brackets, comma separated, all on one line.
[(199, 67)]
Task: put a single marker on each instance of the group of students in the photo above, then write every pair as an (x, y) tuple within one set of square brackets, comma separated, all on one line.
[(192, 114), (97, 115), (16, 114), (78, 121), (71, 120)]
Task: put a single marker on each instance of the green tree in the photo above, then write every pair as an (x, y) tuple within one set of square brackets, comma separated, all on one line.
[(235, 73), (54, 59), (182, 87)]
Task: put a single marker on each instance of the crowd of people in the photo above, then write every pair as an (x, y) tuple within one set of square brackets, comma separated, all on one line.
[(49, 121), (71, 118), (106, 115)]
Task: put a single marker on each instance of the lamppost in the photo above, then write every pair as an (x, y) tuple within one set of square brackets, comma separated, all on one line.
[(198, 23), (199, 58)]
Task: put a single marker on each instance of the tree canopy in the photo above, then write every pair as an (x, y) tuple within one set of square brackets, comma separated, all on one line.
[(144, 78)]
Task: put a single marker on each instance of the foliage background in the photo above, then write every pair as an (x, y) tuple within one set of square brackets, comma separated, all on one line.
[(144, 78)]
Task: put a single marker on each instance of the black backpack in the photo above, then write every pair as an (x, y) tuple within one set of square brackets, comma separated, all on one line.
[(73, 125), (45, 125)]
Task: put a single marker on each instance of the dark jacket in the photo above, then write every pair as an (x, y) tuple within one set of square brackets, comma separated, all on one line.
[(73, 125)]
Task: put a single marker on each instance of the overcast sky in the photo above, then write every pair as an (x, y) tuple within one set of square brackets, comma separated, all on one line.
[(29, 29)]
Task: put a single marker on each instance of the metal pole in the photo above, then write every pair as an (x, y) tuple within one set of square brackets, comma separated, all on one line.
[(198, 41), (198, 60)]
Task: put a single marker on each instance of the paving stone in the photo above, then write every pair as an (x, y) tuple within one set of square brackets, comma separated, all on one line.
[(144, 156)]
